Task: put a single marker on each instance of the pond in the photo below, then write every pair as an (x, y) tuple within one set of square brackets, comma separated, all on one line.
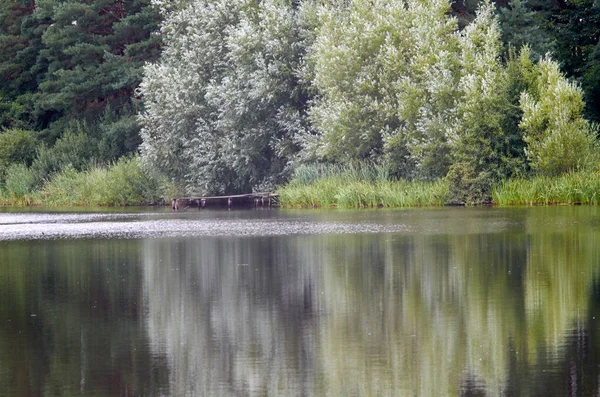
[(417, 302)]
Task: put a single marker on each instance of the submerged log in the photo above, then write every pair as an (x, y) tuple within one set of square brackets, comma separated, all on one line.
[(242, 200)]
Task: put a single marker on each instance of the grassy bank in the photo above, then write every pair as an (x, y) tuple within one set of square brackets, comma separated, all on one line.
[(369, 186), (333, 192), (126, 182), (123, 183), (357, 187), (575, 188)]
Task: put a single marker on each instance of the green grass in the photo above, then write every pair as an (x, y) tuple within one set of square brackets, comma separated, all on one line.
[(17, 187), (581, 187), (123, 183), (370, 186), (357, 186), (336, 192)]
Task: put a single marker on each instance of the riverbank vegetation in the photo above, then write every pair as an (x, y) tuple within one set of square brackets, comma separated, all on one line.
[(456, 102), (368, 186), (124, 182), (572, 188), (358, 186)]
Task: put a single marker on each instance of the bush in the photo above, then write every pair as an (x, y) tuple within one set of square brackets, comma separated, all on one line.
[(124, 183), (467, 186), (16, 146), (119, 137), (74, 150), (18, 186)]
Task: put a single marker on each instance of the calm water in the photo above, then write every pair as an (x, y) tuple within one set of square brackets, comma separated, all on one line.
[(438, 302)]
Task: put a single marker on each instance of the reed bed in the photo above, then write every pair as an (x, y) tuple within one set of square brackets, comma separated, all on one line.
[(335, 192), (581, 187), (17, 187), (358, 186)]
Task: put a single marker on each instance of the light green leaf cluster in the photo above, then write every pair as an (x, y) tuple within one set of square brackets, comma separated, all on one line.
[(386, 74), (558, 138)]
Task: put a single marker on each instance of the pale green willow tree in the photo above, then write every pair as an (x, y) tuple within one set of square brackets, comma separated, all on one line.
[(224, 107), (386, 73), (558, 138)]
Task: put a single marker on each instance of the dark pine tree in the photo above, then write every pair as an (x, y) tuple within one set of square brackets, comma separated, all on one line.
[(76, 62)]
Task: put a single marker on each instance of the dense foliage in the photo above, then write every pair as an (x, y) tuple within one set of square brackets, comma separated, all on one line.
[(75, 60), (237, 94), (394, 83), (225, 107), (70, 66)]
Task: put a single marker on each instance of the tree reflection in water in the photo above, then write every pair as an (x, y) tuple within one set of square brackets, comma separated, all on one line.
[(432, 314), (465, 302)]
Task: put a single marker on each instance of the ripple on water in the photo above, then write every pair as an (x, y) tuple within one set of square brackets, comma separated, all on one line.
[(56, 226)]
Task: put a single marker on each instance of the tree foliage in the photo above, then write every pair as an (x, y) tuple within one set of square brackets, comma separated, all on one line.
[(224, 106), (558, 138), (75, 60), (245, 90), (389, 82), (386, 74), (399, 82), (521, 26)]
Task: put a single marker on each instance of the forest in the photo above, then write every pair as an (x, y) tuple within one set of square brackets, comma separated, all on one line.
[(361, 103)]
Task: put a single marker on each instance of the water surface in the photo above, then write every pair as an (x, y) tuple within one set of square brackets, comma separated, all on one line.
[(435, 302)]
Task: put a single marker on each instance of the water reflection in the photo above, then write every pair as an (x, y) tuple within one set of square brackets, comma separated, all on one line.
[(232, 316), (385, 314), (70, 321), (459, 302)]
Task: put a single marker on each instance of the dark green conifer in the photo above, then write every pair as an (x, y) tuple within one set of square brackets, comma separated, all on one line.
[(521, 26)]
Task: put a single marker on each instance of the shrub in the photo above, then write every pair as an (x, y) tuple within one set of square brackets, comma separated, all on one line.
[(467, 186), (18, 186), (73, 150), (16, 146)]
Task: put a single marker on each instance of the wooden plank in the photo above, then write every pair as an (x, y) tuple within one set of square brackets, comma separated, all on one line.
[(248, 195), (261, 199)]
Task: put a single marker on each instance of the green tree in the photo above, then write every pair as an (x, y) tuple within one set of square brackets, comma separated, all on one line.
[(76, 60), (386, 73), (21, 41), (522, 26), (224, 107), (94, 51), (558, 138), (14, 62), (482, 143), (576, 27)]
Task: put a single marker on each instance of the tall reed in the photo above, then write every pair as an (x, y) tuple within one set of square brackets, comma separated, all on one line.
[(582, 187), (123, 183), (367, 185), (357, 186), (19, 188)]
